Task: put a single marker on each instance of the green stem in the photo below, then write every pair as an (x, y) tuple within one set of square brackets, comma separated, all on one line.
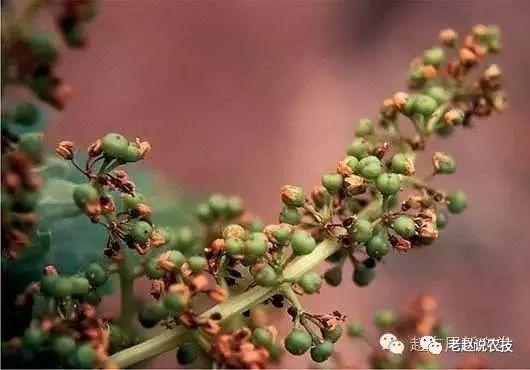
[(170, 338)]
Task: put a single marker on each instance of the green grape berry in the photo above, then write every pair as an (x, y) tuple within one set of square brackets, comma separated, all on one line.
[(358, 148), (204, 213), (377, 247), (266, 276), (31, 144), (362, 230), (80, 286), (48, 284), (114, 145), (152, 270), (132, 201), (404, 226), (262, 337), (290, 215), (63, 346), (173, 302), (197, 263), (187, 353), (234, 246), (84, 356), (293, 195), (218, 204), (362, 275), (26, 114), (256, 244), (116, 336), (310, 282), (234, 206), (333, 276), (332, 182), (96, 274), (283, 234), (354, 329), (444, 163), (332, 335), (388, 183), (178, 259), (33, 338), (384, 318), (321, 352), (402, 164), (302, 242), (131, 154), (298, 342), (84, 193), (141, 231), (441, 220), (370, 167), (456, 202), (42, 48), (365, 127), (351, 162), (63, 287), (151, 313), (425, 105), (433, 56), (438, 93)]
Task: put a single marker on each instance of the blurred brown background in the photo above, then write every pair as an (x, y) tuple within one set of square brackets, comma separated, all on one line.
[(241, 97)]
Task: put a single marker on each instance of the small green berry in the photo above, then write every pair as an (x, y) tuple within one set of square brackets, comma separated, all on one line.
[(266, 276), (114, 145), (362, 275), (370, 167), (26, 114), (63, 287), (333, 276), (441, 220), (84, 193), (132, 201), (151, 313), (234, 246), (197, 263), (63, 345), (321, 352), (184, 237), (425, 105), (262, 337), (48, 284), (96, 274), (218, 204), (358, 148), (234, 206), (302, 242), (402, 164), (438, 93), (408, 107), (187, 353), (298, 342), (362, 230), (444, 163), (256, 245), (388, 183), (80, 286), (204, 213), (404, 226), (332, 335), (152, 270), (174, 303), (354, 329), (377, 247), (131, 154), (31, 144), (365, 127), (293, 196), (84, 356), (116, 336), (290, 215), (33, 338), (141, 231), (42, 48), (332, 182), (384, 318), (456, 202), (310, 282), (283, 234), (433, 56)]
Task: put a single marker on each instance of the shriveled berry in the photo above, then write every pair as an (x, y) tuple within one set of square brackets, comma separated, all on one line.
[(377, 247), (404, 226), (290, 215), (33, 338), (256, 244), (456, 202), (365, 127), (197, 263), (114, 145), (388, 183), (84, 356), (310, 282), (370, 167), (266, 276), (96, 274), (218, 204), (262, 337), (302, 242), (298, 342), (354, 329), (358, 148), (173, 302), (402, 164), (234, 246), (362, 275), (63, 345), (433, 56), (141, 231), (362, 230), (84, 193), (384, 318), (187, 353), (332, 182), (321, 352), (332, 335)]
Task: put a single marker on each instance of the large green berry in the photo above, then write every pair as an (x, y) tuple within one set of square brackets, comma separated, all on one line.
[(80, 286), (114, 145), (152, 270), (63, 287), (388, 183), (151, 313), (310, 282), (84, 356), (31, 144), (302, 242), (262, 337), (351, 162), (384, 318), (234, 206), (365, 127), (377, 247), (33, 338), (256, 245), (141, 231), (174, 302), (290, 215), (298, 342), (438, 93), (404, 226), (96, 274), (321, 352), (218, 204), (425, 105), (362, 275), (266, 276), (48, 284), (293, 195), (370, 167), (362, 230), (332, 335), (456, 202), (332, 182), (63, 345), (402, 163), (354, 329), (358, 148), (333, 276), (197, 263), (234, 246), (84, 193), (26, 114), (187, 353), (433, 56)]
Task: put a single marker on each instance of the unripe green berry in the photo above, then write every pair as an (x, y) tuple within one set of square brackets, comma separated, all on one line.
[(43, 86), (456, 202), (31, 144), (63, 287), (266, 276), (33, 338), (293, 196), (283, 234), (96, 274), (384, 318), (351, 162), (321, 352), (425, 105), (433, 56), (184, 237), (80, 286), (333, 276), (362, 275), (332, 335), (256, 245), (26, 200), (365, 127), (197, 263), (290, 215), (42, 48), (187, 353), (84, 356), (354, 329), (408, 107), (234, 206), (298, 342), (234, 246), (302, 242), (358, 148), (132, 201), (444, 163), (370, 167), (438, 93), (310, 282), (131, 154), (362, 230), (173, 302), (152, 270), (116, 337), (262, 337), (404, 226), (63, 346), (441, 220), (84, 193), (402, 164), (114, 145), (377, 247), (218, 204), (204, 213), (26, 114), (48, 284), (388, 183), (141, 231), (151, 313), (332, 182)]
